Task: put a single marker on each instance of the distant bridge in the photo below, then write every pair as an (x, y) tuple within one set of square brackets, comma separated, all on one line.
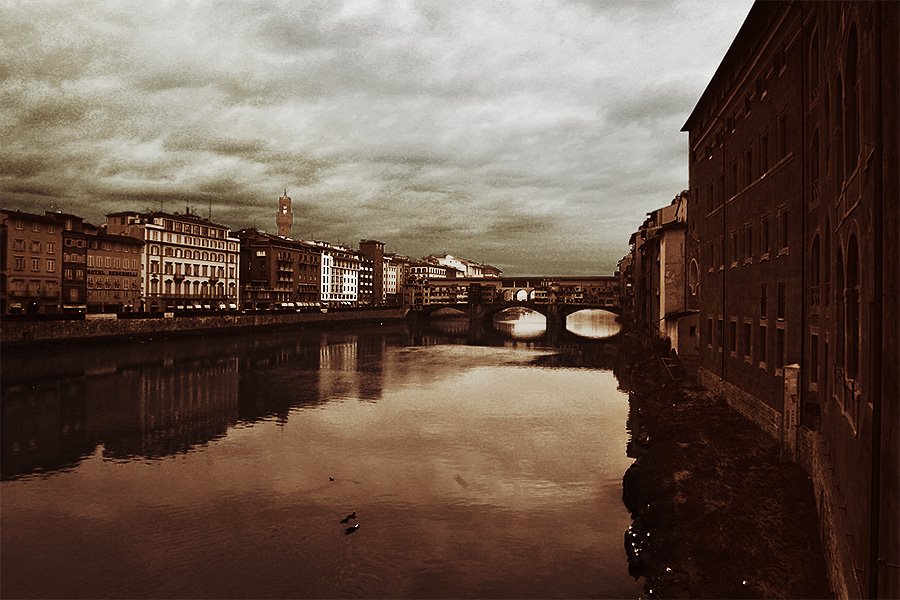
[(554, 297)]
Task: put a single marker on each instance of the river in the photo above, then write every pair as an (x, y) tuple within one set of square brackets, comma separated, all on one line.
[(478, 465)]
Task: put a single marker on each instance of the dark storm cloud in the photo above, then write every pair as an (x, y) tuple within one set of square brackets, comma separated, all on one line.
[(533, 136)]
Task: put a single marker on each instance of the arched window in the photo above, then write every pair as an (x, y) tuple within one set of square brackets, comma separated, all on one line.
[(814, 267), (813, 63), (827, 262), (826, 138), (839, 306), (814, 165), (838, 136), (694, 277), (851, 105), (852, 308)]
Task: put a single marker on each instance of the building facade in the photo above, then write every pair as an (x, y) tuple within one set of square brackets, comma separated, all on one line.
[(188, 262), (74, 261), (339, 275), (30, 280), (113, 271), (373, 250), (794, 163), (277, 272)]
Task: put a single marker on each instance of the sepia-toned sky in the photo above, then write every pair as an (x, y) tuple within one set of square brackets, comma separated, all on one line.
[(533, 135)]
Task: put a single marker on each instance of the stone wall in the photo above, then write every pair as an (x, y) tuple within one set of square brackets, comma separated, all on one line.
[(813, 457), (754, 409), (13, 332)]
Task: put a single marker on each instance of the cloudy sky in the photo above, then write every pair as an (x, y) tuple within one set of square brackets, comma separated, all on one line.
[(533, 135)]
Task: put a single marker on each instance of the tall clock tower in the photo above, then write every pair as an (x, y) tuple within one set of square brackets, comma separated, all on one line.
[(284, 218)]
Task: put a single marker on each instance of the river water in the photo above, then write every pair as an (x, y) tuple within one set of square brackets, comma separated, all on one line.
[(478, 465)]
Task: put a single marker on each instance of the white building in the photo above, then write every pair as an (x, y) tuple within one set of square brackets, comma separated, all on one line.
[(187, 261), (339, 275)]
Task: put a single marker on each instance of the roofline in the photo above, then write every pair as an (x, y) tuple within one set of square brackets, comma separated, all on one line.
[(749, 31)]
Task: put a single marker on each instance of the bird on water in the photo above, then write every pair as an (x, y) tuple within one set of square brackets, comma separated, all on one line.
[(351, 529), (349, 517)]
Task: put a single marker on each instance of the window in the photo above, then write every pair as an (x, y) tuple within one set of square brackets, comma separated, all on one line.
[(814, 272), (19, 244), (732, 337), (783, 230), (814, 359), (745, 342), (814, 167), (51, 265), (20, 225), (709, 332), (748, 166), (748, 243), (761, 346), (764, 237), (781, 136), (35, 246), (20, 263), (851, 105), (763, 302), (779, 349), (35, 264), (763, 153), (732, 178), (851, 308), (35, 227), (51, 247), (781, 300), (734, 249)]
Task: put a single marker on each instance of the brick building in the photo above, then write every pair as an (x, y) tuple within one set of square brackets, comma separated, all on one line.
[(113, 262), (373, 250), (794, 164), (277, 271), (31, 263), (74, 261)]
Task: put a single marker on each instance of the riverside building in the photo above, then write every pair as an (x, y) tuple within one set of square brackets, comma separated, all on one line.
[(794, 166), (30, 279), (188, 262), (278, 272)]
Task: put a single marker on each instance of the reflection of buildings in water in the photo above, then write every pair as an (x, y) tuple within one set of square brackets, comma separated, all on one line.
[(42, 427), (278, 377), (170, 408), (338, 377)]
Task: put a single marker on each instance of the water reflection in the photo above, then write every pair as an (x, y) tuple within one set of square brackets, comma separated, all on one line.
[(593, 323), (521, 323), (472, 468)]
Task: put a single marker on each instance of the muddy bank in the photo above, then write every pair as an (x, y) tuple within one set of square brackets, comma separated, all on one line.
[(716, 513)]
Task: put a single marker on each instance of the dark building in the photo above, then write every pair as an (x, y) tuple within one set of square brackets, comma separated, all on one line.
[(374, 251), (794, 163), (366, 281), (74, 261), (276, 271)]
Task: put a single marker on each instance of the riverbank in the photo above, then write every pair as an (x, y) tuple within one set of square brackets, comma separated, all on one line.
[(716, 513), (25, 333)]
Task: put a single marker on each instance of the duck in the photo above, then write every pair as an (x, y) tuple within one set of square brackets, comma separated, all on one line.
[(349, 517), (351, 529)]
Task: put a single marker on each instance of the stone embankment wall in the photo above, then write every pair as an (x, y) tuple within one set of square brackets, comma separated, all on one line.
[(14, 332), (812, 456)]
